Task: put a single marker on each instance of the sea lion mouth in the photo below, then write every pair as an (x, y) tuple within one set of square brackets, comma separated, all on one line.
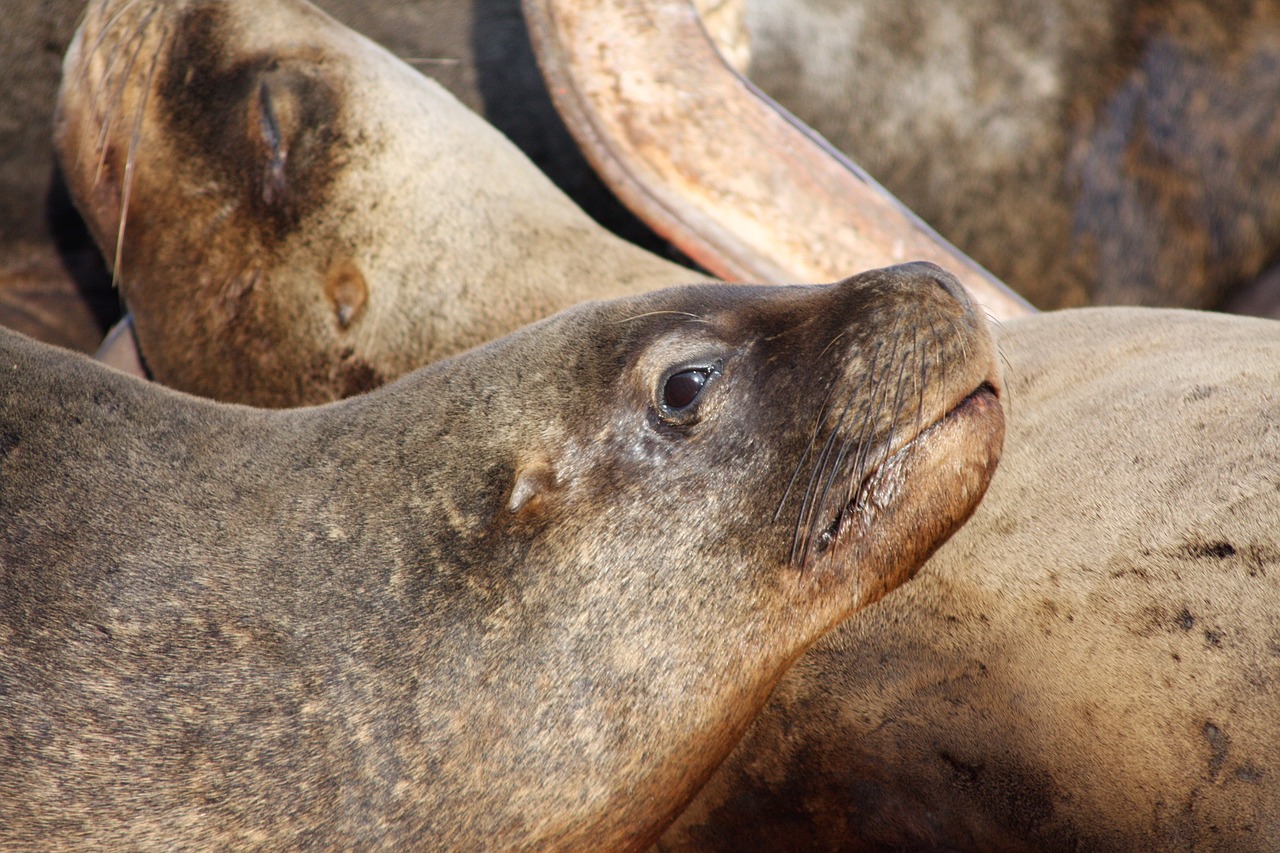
[(879, 487)]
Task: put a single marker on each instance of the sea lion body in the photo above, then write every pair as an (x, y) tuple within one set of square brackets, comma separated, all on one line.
[(1093, 661), (526, 597), (1085, 151), (300, 201)]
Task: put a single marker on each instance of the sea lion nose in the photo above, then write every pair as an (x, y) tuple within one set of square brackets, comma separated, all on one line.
[(915, 281), (950, 284), (928, 277)]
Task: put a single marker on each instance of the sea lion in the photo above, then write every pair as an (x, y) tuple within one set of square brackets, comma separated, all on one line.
[(528, 596), (53, 284), (435, 305), (297, 202), (1093, 661), (1085, 151)]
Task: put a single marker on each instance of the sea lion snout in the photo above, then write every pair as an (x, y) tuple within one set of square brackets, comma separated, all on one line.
[(915, 390), (924, 280)]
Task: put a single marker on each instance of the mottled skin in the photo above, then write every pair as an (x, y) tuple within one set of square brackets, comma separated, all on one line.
[(1093, 661), (307, 216), (1085, 151), (515, 598)]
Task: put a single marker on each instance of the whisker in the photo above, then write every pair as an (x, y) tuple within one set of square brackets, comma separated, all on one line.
[(137, 40), (828, 347), (107, 79), (993, 319), (851, 440), (923, 369), (809, 508), (1006, 396), (867, 439), (858, 473), (110, 24), (849, 443), (656, 313), (823, 411)]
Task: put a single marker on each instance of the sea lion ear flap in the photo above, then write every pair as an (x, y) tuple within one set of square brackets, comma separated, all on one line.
[(534, 480)]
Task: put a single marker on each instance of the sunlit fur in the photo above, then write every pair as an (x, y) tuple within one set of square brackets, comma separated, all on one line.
[(505, 601), (833, 472), (1092, 662), (294, 215)]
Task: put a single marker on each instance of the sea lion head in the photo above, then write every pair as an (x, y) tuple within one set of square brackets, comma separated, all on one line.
[(821, 411), (655, 504), (765, 461), (293, 214)]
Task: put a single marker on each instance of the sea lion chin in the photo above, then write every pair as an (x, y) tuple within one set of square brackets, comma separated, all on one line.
[(529, 596), (294, 215)]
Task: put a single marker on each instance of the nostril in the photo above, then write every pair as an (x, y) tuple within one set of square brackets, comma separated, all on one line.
[(950, 285), (921, 272)]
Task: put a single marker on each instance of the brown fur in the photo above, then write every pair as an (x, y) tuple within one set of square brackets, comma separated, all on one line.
[(1093, 662), (478, 50), (1085, 151), (508, 600), (321, 189)]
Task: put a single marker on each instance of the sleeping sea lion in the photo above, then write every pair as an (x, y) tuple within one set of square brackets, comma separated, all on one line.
[(53, 284), (305, 216), (1093, 661), (192, 95), (526, 597)]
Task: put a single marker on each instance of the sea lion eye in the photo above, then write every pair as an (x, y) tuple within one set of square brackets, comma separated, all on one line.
[(682, 389)]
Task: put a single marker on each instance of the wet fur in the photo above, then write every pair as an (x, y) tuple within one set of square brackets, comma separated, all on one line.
[(500, 601), (1092, 662)]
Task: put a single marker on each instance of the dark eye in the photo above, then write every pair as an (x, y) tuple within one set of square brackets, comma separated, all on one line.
[(683, 388)]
